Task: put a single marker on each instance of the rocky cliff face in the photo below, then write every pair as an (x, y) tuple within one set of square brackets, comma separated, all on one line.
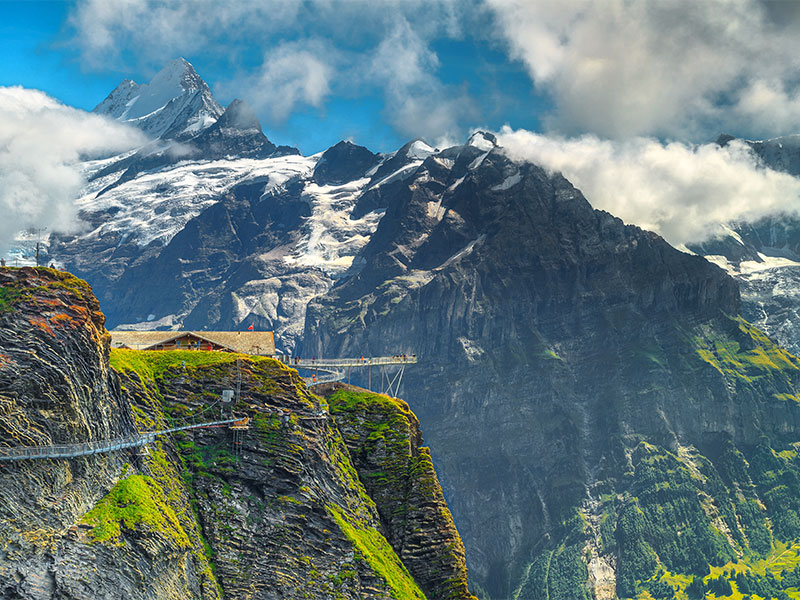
[(384, 440), (276, 511), (562, 356)]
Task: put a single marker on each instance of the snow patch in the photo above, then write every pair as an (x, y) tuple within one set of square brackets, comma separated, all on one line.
[(435, 210), (728, 231), (752, 267), (419, 150), (154, 207), (471, 348), (768, 262), (463, 252), (169, 322), (330, 238), (481, 142), (447, 163), (509, 182), (477, 162), (456, 183), (403, 172)]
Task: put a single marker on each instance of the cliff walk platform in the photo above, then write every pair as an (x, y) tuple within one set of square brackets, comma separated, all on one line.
[(329, 370), (102, 446), (324, 370)]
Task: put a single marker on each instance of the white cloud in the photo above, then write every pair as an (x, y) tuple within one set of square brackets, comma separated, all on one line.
[(41, 144), (679, 68), (291, 74), (680, 191), (105, 30), (312, 50), (417, 103)]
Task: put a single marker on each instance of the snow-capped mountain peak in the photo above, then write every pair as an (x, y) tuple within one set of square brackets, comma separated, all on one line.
[(482, 141), (176, 103)]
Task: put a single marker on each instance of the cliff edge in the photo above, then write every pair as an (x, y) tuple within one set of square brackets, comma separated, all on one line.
[(279, 510)]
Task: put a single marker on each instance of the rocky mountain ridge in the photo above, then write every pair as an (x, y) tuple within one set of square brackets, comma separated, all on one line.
[(175, 104), (574, 352), (282, 513)]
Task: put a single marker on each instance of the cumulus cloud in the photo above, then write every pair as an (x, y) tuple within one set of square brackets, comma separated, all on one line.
[(313, 50), (674, 69), (292, 74), (104, 30), (680, 191), (41, 144), (417, 102)]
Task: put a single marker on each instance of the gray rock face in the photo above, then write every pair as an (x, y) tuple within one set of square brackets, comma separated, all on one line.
[(344, 162), (237, 133), (56, 388), (552, 340)]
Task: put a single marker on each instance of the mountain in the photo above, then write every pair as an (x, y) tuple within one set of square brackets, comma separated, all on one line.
[(279, 511), (603, 422), (225, 229), (175, 104)]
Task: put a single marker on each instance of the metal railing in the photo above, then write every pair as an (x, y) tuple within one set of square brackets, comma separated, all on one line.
[(326, 377), (312, 363), (96, 447)]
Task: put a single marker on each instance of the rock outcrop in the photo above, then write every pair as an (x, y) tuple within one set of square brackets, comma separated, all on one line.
[(275, 511), (385, 443)]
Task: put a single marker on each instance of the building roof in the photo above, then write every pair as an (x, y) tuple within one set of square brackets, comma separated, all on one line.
[(245, 342)]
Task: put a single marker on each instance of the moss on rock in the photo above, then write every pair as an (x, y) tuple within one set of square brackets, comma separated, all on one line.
[(136, 501)]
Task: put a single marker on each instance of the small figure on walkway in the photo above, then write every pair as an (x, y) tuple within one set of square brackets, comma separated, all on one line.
[(2, 262)]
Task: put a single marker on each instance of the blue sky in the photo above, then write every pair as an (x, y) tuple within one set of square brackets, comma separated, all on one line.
[(42, 49), (622, 96), (382, 72)]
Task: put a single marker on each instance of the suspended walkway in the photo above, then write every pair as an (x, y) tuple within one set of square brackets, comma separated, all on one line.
[(324, 370), (103, 446), (328, 370)]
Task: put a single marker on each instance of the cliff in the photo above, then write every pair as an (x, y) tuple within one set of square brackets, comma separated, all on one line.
[(278, 511), (583, 385)]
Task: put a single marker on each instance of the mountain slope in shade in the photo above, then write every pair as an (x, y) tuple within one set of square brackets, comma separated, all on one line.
[(588, 395)]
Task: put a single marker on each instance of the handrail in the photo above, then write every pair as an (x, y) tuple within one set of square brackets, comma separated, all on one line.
[(327, 377), (312, 363), (96, 447)]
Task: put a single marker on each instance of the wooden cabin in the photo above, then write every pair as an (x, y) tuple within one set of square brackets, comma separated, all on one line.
[(243, 342)]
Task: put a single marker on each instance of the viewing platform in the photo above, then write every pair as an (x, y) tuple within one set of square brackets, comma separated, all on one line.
[(334, 363), (329, 370)]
